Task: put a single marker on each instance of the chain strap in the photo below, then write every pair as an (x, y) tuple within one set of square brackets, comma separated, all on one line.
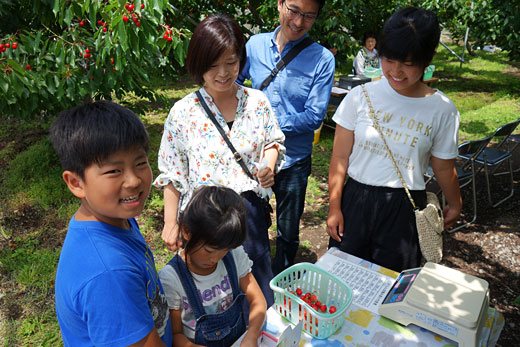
[(378, 128)]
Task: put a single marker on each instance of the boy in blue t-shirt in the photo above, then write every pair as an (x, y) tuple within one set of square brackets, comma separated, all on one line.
[(107, 288)]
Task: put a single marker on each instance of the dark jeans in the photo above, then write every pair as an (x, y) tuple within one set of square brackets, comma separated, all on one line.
[(257, 243), (289, 189)]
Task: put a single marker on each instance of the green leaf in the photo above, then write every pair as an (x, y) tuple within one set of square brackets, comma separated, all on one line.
[(68, 16), (123, 38), (4, 85), (16, 67), (56, 7)]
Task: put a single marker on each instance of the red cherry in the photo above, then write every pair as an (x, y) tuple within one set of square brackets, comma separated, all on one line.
[(323, 308), (105, 29), (100, 22), (169, 39), (299, 291), (142, 6), (137, 23), (82, 23), (165, 36), (28, 67), (14, 45), (314, 298), (332, 309), (2, 49), (130, 7), (125, 18), (112, 61), (87, 55), (7, 45), (87, 50)]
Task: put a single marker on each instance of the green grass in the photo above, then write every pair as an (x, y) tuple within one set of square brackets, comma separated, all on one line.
[(35, 204)]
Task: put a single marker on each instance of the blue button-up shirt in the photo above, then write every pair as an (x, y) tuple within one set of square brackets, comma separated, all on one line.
[(299, 94)]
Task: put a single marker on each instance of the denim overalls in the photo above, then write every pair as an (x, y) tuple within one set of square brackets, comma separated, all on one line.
[(218, 329)]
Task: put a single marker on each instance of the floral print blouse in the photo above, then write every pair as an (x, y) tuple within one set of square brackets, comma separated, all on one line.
[(193, 153)]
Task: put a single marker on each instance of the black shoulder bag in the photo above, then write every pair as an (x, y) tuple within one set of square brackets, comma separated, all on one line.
[(285, 60), (267, 207)]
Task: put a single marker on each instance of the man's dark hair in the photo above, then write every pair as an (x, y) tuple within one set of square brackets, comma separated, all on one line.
[(91, 132), (215, 217), (321, 3), (211, 38), (410, 34)]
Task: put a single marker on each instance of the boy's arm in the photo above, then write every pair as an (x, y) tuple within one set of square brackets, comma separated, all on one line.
[(179, 339), (151, 340), (257, 305)]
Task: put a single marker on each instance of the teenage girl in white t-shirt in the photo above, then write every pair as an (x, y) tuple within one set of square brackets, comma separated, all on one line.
[(370, 216)]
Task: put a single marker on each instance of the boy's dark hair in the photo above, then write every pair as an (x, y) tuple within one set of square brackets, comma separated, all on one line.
[(211, 38), (91, 132), (410, 34), (216, 217)]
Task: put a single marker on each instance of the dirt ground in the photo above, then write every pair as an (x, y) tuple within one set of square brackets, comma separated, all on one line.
[(488, 249)]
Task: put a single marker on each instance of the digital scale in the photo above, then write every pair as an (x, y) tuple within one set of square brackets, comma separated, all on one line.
[(440, 299)]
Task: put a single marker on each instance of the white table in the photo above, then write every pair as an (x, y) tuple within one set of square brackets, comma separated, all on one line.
[(362, 327)]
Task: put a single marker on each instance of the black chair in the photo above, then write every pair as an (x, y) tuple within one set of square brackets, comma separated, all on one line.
[(466, 172), (493, 157), (514, 142)]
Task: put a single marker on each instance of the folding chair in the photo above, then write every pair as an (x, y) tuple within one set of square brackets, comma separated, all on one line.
[(514, 142), (492, 157), (466, 172)]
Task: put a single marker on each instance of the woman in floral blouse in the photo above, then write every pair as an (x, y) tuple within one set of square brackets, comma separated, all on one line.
[(193, 153)]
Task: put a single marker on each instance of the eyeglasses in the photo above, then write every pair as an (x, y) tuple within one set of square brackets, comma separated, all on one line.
[(293, 14)]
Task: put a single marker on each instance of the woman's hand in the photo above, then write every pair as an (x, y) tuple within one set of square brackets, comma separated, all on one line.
[(451, 215), (170, 236), (265, 177), (335, 224)]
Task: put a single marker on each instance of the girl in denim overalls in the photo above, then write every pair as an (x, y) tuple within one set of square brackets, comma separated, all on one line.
[(207, 282)]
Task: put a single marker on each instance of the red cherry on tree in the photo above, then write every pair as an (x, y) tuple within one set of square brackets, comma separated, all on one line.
[(142, 6), (7, 45), (28, 67), (100, 22), (14, 45), (105, 29), (130, 7), (82, 23), (125, 18), (137, 23), (169, 39)]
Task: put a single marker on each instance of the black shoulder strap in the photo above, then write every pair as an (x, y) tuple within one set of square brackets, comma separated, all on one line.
[(285, 60), (236, 155)]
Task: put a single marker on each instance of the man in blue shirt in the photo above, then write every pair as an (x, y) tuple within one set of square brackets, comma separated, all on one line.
[(299, 94)]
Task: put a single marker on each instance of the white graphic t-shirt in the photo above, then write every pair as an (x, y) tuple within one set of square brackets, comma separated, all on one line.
[(214, 289), (415, 129)]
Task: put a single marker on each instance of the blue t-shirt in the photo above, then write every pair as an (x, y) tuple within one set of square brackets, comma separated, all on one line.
[(108, 292), (299, 94)]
